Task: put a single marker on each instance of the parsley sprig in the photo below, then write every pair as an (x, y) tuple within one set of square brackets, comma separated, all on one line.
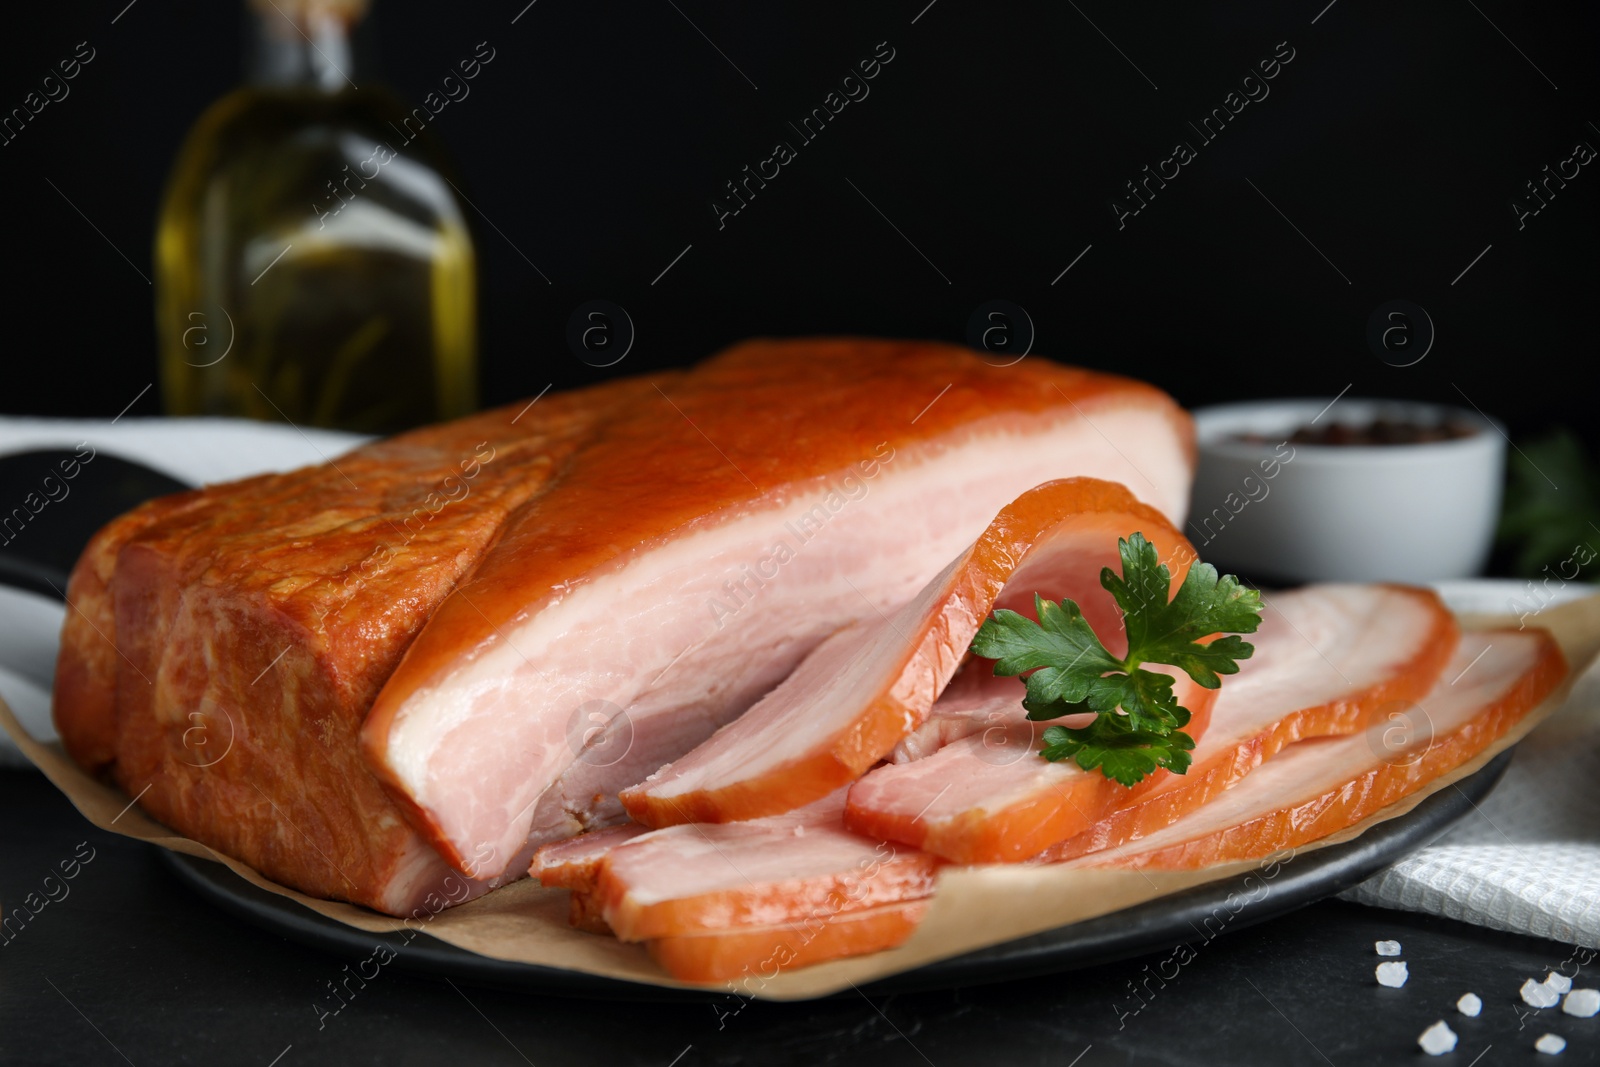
[(1138, 720)]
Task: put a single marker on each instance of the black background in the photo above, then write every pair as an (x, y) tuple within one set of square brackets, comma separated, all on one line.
[(1395, 141), (594, 143)]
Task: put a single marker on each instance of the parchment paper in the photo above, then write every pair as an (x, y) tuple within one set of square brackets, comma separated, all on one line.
[(974, 906)]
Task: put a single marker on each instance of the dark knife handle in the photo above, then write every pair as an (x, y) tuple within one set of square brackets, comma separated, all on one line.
[(47, 516)]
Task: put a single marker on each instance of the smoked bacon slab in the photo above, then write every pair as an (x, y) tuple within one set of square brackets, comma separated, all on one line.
[(384, 679)]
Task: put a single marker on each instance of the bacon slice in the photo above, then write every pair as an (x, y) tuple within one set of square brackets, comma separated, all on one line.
[(699, 878), (988, 797), (864, 689), (575, 864), (977, 700), (1330, 660), (761, 952), (1315, 788), (714, 902)]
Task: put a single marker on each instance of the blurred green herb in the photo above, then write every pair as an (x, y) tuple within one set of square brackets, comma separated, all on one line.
[(1552, 503)]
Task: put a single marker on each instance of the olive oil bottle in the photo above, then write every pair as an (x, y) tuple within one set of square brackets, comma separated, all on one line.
[(313, 264)]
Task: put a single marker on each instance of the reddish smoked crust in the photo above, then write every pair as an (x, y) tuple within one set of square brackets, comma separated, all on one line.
[(928, 665), (899, 878), (761, 953), (584, 914), (583, 909), (651, 474), (85, 691), (559, 866), (1348, 715), (262, 617), (1373, 789), (1012, 834), (579, 876)]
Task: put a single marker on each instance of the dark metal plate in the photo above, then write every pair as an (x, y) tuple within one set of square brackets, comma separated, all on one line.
[(1192, 915)]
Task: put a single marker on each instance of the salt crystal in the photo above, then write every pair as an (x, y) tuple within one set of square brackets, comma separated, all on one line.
[(1538, 994), (1393, 975), (1438, 1039), (1387, 948), (1469, 1004), (1582, 1002), (1557, 981), (1550, 1044)]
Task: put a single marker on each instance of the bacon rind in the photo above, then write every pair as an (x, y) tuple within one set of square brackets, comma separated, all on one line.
[(760, 953), (1321, 799), (1216, 770)]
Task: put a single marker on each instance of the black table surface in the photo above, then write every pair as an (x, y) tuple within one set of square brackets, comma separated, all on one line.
[(131, 967)]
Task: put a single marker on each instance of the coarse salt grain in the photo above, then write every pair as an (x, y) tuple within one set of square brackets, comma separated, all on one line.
[(1582, 1002), (1539, 995), (1438, 1039), (1469, 1004), (1393, 975), (1550, 1044), (1387, 948), (1557, 981)]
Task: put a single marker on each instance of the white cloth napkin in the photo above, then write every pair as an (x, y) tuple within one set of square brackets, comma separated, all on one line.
[(1528, 859), (197, 451)]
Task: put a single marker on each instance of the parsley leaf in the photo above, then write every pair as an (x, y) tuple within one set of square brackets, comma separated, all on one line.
[(1163, 632), (1069, 671), (1123, 754), (1543, 527), (1061, 649)]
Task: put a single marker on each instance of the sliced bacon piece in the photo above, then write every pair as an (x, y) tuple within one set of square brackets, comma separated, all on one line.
[(1315, 788), (1330, 660), (783, 869), (760, 952), (699, 544), (976, 701), (575, 864), (988, 797), (865, 688)]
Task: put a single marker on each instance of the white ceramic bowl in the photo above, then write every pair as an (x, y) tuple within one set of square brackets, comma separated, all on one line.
[(1284, 512)]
